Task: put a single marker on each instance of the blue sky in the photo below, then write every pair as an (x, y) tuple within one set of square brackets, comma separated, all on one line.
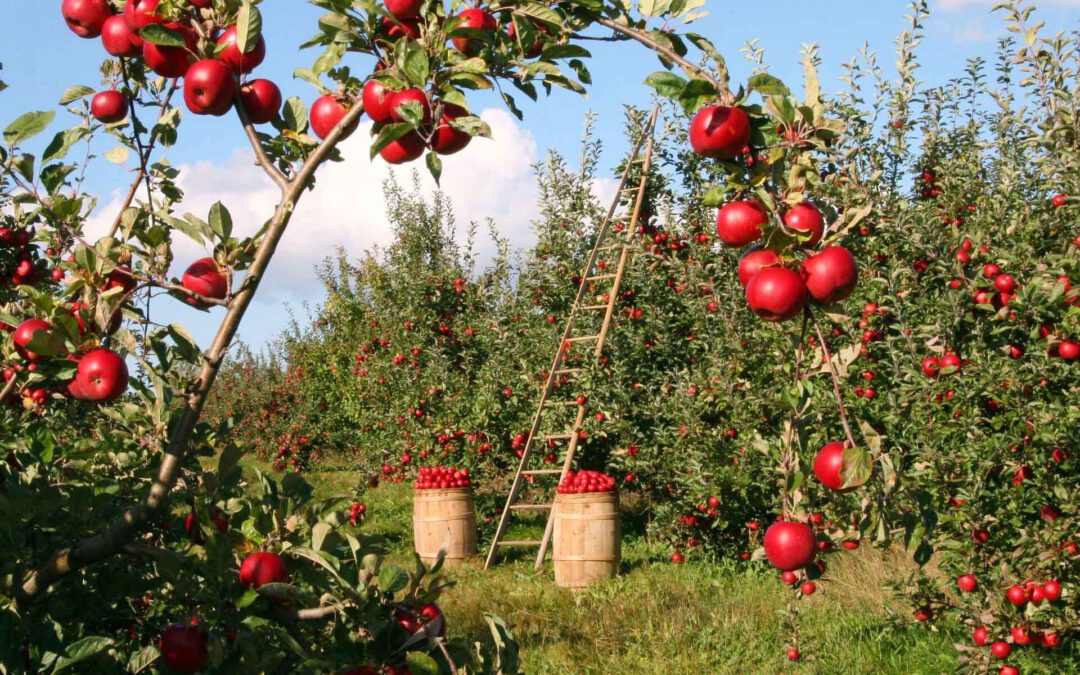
[(41, 58)]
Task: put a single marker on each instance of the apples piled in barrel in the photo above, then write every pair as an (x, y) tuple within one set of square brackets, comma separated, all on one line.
[(786, 267), (442, 478), (582, 482)]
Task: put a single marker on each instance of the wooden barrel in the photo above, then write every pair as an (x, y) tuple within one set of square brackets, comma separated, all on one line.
[(444, 518), (586, 538)]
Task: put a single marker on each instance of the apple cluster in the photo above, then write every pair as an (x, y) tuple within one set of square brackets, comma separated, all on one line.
[(442, 477), (776, 288), (585, 481), (101, 374), (176, 47)]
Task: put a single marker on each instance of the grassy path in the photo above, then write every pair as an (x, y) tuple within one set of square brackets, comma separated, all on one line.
[(664, 618)]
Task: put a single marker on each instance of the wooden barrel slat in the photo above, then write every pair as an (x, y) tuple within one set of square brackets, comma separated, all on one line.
[(586, 544), (446, 517)]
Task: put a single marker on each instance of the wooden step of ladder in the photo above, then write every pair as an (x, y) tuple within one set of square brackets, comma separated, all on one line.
[(633, 181)]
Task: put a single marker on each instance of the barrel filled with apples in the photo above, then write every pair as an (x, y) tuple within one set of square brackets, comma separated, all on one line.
[(586, 533), (443, 515)]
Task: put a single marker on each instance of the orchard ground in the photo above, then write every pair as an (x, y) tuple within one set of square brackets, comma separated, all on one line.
[(659, 617)]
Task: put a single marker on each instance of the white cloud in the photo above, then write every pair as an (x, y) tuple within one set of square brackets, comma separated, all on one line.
[(970, 33), (957, 5), (489, 179)]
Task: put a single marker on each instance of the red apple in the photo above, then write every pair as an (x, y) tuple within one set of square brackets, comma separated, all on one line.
[(753, 261), (1068, 350), (980, 636), (170, 61), (776, 293), (120, 277), (739, 223), (209, 88), (207, 279), (405, 149), (85, 18), (806, 219), (25, 333), (102, 376), (1005, 283), (109, 106), (719, 131), (1017, 595), (967, 583), (473, 19), (406, 95), (404, 9), (537, 47), (1001, 650), (240, 62), (829, 466), (1052, 590), (326, 112), (259, 569), (790, 546), (183, 648), (407, 28), (831, 275), (118, 39), (447, 140), (141, 13), (951, 362), (377, 101), (261, 100)]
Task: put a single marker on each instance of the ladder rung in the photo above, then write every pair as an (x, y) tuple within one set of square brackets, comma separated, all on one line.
[(601, 277), (541, 472), (530, 507), (554, 437), (561, 403), (517, 543), (593, 308), (583, 338), (569, 371)]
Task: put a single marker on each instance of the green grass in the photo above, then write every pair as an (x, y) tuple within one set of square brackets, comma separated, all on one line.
[(662, 618)]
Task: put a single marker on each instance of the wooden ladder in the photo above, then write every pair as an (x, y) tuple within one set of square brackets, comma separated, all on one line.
[(639, 160)]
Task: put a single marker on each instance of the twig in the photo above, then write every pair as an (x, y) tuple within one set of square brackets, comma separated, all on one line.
[(691, 69), (261, 158), (8, 388), (143, 174), (789, 436), (446, 655), (142, 550), (835, 380)]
